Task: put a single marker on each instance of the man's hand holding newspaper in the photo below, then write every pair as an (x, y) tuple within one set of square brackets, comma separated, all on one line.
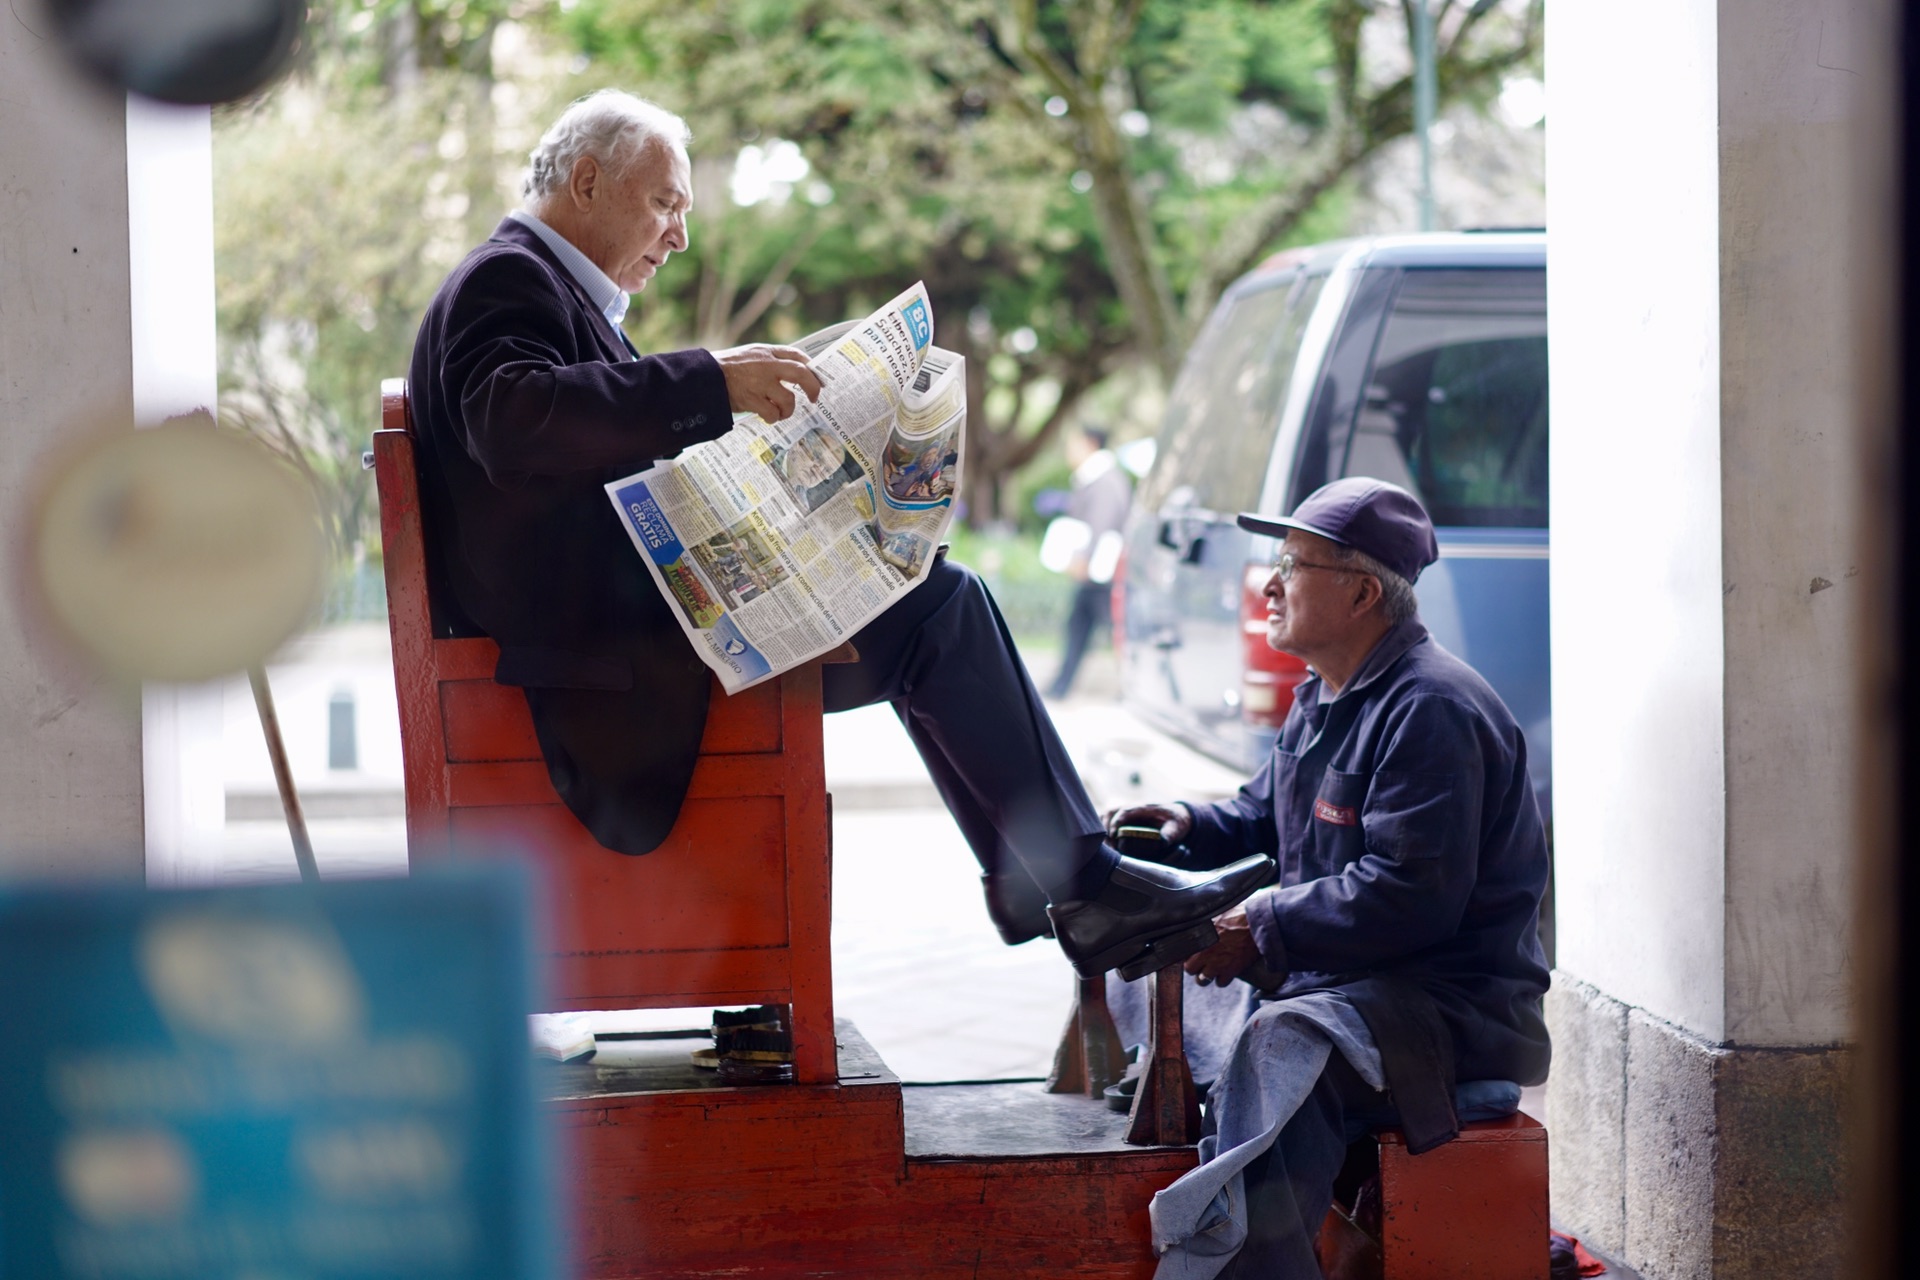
[(777, 542)]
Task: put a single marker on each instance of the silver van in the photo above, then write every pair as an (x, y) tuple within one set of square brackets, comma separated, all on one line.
[(1417, 359)]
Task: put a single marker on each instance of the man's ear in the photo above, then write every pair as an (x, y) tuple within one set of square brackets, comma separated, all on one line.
[(584, 182), (1367, 593)]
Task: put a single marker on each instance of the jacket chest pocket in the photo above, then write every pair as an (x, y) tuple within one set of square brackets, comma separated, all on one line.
[(1338, 838)]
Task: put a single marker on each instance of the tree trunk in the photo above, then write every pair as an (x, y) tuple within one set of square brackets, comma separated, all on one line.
[(1120, 215), (982, 497), (480, 178), (1126, 233), (402, 63)]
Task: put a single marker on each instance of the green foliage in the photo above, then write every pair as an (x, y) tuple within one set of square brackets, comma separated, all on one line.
[(341, 198), (931, 152), (319, 291)]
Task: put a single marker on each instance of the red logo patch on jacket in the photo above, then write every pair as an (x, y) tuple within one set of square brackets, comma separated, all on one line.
[(1338, 815)]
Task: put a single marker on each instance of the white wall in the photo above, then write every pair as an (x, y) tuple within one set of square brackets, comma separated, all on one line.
[(1703, 491), (175, 370), (1633, 313), (70, 772)]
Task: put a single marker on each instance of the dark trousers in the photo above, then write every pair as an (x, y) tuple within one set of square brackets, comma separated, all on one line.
[(1290, 1187), (943, 657), (1092, 606)]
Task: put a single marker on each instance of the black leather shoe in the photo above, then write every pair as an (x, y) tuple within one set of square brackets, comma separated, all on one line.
[(1150, 916)]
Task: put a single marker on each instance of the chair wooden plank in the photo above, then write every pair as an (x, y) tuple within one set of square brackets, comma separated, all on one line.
[(672, 979), (810, 877), (746, 722), (714, 883), (483, 785), (486, 722), (468, 658), (408, 617)]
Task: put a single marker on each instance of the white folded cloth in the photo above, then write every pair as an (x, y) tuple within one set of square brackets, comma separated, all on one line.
[(564, 1037)]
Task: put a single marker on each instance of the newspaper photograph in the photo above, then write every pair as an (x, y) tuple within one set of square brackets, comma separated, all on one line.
[(778, 541)]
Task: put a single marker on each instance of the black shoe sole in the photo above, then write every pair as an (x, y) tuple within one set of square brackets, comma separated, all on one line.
[(1134, 961)]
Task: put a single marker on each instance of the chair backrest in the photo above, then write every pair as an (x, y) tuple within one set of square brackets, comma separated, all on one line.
[(733, 908)]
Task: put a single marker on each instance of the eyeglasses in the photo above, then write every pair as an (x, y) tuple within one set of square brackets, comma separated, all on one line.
[(1285, 566)]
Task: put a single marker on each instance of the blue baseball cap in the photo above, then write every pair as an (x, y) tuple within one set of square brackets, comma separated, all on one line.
[(1369, 515)]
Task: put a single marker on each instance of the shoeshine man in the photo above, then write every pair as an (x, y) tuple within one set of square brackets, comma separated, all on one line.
[(1393, 976), (527, 397)]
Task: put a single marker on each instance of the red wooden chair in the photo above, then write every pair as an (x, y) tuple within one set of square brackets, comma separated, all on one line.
[(733, 909)]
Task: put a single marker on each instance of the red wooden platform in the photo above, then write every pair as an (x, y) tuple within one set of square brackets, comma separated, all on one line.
[(862, 1178)]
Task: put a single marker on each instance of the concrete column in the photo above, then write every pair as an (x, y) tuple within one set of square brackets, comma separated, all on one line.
[(81, 178), (1704, 601), (70, 767)]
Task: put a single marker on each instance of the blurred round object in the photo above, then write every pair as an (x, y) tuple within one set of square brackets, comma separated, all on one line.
[(185, 51), (178, 553)]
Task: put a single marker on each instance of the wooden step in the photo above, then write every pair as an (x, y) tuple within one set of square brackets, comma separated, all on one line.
[(672, 1175)]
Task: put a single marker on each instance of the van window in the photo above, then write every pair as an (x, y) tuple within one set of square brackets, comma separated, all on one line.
[(1456, 406), (1225, 407)]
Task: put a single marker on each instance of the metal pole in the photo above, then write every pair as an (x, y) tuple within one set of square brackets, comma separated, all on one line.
[(283, 775), (1425, 96)]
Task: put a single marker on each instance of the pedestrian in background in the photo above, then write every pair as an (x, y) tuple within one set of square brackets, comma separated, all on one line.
[(1098, 506)]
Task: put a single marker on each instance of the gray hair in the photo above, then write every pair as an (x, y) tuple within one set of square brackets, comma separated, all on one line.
[(611, 126), (1397, 600)]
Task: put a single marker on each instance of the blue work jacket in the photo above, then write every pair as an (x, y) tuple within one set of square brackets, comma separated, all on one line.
[(1409, 846)]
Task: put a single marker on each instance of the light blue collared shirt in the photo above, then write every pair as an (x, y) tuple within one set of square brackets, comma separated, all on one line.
[(608, 296)]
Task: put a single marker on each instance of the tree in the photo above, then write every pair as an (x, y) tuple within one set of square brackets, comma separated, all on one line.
[(909, 171), (1078, 179), (1098, 72), (342, 196), (1075, 181)]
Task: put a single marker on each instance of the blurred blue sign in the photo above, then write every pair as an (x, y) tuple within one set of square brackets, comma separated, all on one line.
[(271, 1083)]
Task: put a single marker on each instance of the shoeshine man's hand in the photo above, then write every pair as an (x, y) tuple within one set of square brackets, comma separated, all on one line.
[(1175, 820), (1228, 958), (761, 379)]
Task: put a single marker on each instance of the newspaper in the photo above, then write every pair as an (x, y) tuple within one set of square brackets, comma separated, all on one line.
[(778, 541)]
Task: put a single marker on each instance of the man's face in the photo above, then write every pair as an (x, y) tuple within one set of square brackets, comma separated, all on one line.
[(1079, 448), (639, 215), (1313, 611)]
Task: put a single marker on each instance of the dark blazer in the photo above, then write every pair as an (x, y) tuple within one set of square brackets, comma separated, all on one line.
[(525, 402)]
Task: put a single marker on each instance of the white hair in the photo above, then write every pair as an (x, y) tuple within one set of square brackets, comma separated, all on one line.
[(1397, 600), (611, 126)]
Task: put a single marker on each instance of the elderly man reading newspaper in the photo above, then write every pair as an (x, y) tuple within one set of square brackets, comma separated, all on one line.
[(1394, 974), (528, 398)]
